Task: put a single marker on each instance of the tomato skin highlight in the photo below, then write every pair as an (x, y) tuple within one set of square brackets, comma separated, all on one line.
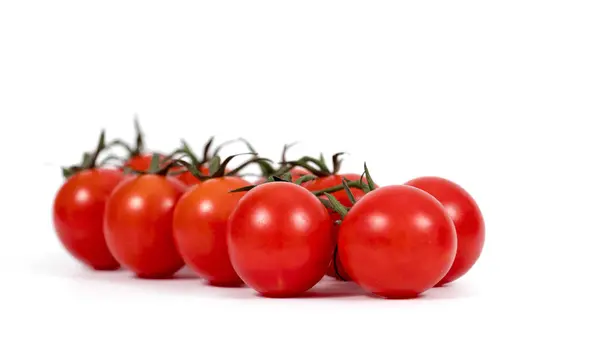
[(200, 228), (467, 218), (78, 215), (138, 225), (397, 242), (280, 239)]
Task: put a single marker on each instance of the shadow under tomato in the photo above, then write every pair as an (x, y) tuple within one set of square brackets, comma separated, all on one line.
[(405, 298), (325, 289), (224, 285), (182, 274), (164, 277)]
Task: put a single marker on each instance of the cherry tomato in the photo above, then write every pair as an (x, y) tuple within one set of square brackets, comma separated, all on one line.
[(200, 228), (467, 219), (280, 239), (78, 214), (397, 242), (141, 162), (138, 225)]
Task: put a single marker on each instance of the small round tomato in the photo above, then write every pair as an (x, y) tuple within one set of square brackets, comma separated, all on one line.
[(467, 219), (78, 214), (280, 239), (200, 228), (397, 242), (138, 225)]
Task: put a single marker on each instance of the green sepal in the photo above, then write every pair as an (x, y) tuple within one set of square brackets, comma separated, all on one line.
[(348, 191), (336, 205), (370, 181), (214, 165), (305, 178)]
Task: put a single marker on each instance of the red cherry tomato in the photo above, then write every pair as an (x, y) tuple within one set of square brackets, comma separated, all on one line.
[(138, 225), (467, 219), (141, 162), (280, 239), (397, 242), (78, 214), (200, 228)]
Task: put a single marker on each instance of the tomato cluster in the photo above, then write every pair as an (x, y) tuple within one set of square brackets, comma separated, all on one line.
[(299, 222)]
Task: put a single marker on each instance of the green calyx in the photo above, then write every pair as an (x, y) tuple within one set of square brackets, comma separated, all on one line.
[(217, 168), (332, 203), (89, 159), (318, 166), (139, 147), (207, 154), (158, 166), (286, 177), (268, 170)]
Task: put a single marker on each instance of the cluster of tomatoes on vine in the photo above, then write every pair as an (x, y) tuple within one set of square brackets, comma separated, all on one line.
[(280, 235)]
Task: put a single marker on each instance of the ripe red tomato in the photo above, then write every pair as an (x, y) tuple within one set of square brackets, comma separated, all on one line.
[(141, 162), (138, 225), (200, 228), (280, 239), (397, 242), (78, 214), (467, 219)]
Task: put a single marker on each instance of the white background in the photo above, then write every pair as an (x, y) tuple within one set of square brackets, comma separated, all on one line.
[(497, 96)]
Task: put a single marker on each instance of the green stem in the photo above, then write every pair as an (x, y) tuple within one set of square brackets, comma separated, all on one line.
[(139, 138), (304, 164), (258, 160), (123, 145), (320, 163), (353, 183), (99, 148)]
